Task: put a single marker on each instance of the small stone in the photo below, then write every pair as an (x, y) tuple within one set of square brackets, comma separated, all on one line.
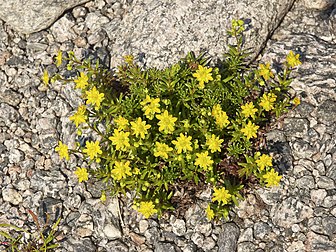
[(325, 183), (289, 212), (246, 235), (329, 201), (137, 239), (143, 226), (79, 11), (261, 229), (209, 244), (204, 228), (179, 227), (152, 235), (111, 232), (15, 156), (164, 247), (296, 246), (12, 196), (305, 182), (94, 20), (198, 239), (228, 238), (319, 4), (329, 225), (296, 228), (62, 30), (317, 196)]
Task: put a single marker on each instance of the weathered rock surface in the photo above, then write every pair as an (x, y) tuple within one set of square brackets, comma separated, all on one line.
[(34, 15), (160, 32)]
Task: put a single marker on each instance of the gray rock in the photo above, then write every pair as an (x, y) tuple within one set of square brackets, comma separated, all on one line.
[(289, 212), (12, 196), (164, 247), (317, 196), (325, 182), (10, 96), (209, 244), (305, 182), (112, 232), (179, 227), (179, 27), (143, 226), (27, 21), (297, 127), (8, 114), (198, 239), (15, 156), (319, 4), (116, 245), (62, 29), (319, 243), (329, 226), (227, 240), (261, 229)]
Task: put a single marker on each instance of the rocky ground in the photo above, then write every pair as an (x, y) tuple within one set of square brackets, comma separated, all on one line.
[(299, 215)]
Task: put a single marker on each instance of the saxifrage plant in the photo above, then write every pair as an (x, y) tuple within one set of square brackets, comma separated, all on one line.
[(190, 125)]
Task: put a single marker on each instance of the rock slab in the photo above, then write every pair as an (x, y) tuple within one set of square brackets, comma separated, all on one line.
[(31, 16)]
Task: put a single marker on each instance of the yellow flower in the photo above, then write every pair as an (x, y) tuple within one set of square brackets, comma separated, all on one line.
[(293, 59), (265, 71), (249, 110), (62, 150), (82, 174), (221, 195), (103, 196), (59, 58), (136, 171), (296, 101), (216, 110), (147, 208), (214, 143), (267, 101), (121, 122), (92, 149), (203, 75), (82, 81), (162, 150), (272, 178), (139, 128), (166, 122), (250, 130), (146, 101), (79, 116), (120, 139), (264, 161), (121, 170), (209, 213), (222, 120), (94, 97), (203, 160), (45, 77), (183, 143), (128, 59), (151, 108)]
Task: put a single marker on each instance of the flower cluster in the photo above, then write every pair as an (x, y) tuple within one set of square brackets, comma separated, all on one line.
[(180, 124)]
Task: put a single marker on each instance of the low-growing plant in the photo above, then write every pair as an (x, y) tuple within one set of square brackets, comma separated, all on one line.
[(39, 239), (189, 126)]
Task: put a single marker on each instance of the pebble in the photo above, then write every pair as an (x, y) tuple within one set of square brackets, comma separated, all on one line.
[(12, 196), (111, 232)]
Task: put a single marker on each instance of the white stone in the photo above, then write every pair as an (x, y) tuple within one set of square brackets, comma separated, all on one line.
[(12, 196), (111, 232)]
